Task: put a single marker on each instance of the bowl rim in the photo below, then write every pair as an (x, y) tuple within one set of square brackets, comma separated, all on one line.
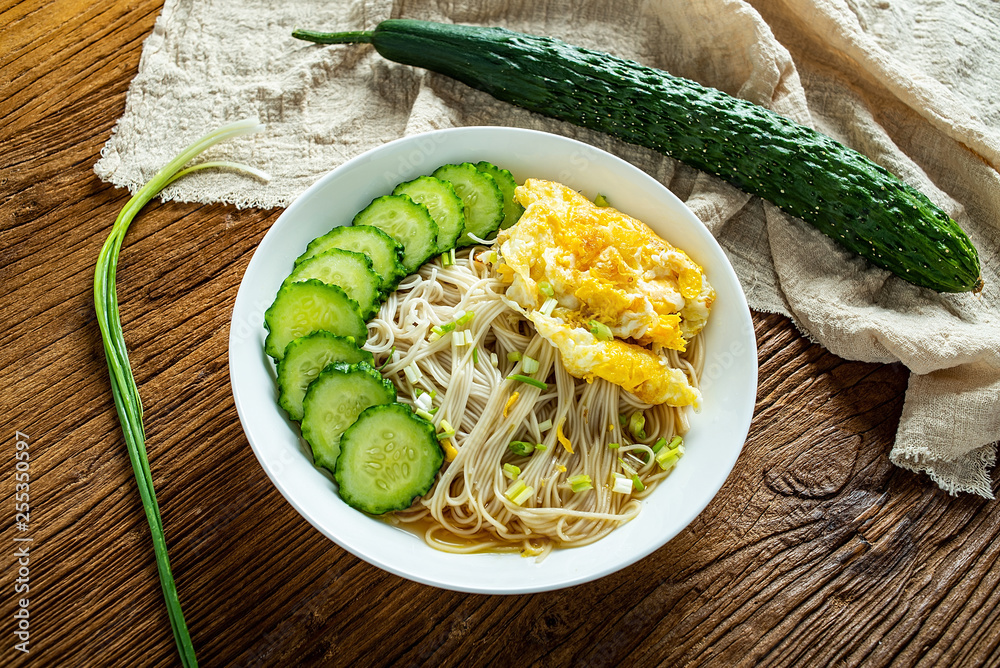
[(285, 486)]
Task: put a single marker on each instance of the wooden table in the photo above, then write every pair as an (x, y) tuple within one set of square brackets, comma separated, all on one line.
[(817, 551)]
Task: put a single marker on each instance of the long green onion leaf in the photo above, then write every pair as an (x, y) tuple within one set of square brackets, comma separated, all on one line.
[(123, 387), (528, 381)]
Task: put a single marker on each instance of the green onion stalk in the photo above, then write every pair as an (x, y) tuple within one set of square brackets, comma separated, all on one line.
[(123, 387)]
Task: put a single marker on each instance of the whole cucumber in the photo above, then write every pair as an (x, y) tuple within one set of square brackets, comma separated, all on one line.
[(805, 173)]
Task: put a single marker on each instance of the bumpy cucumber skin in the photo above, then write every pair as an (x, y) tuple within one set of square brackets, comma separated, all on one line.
[(467, 172), (446, 240), (842, 193), (277, 333), (342, 349), (412, 258), (392, 270), (512, 209), (367, 295), (356, 498), (339, 368)]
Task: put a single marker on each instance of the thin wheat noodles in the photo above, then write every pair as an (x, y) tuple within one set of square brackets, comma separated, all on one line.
[(467, 509)]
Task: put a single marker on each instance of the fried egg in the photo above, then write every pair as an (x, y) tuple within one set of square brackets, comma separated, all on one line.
[(598, 265)]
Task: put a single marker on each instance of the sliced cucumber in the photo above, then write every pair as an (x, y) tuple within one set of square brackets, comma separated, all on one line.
[(481, 196), (405, 221), (307, 307), (445, 207), (384, 251), (350, 270), (333, 402), (512, 209), (388, 457), (305, 358)]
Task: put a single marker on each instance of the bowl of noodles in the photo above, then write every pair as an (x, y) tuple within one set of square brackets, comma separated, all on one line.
[(497, 521)]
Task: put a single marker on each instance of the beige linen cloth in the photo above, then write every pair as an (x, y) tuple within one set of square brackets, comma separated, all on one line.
[(913, 84)]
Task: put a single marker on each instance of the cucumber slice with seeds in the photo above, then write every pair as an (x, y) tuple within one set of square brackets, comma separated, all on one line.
[(333, 402), (445, 207), (407, 222), (351, 271), (384, 251), (305, 358), (307, 307), (512, 209), (388, 457), (481, 197)]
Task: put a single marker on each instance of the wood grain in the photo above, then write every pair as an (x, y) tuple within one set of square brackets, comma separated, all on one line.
[(816, 552)]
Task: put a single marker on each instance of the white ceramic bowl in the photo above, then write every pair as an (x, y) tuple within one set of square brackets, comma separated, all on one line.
[(717, 434)]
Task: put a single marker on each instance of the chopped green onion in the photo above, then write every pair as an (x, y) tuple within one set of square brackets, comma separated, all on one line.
[(667, 457), (545, 426), (447, 431), (422, 399), (446, 260), (548, 306), (522, 448), (412, 372), (514, 356), (614, 446), (622, 420), (675, 442), (601, 201), (546, 289), (494, 360), (580, 483), (541, 446), (433, 410), (660, 442), (637, 483), (528, 381), (628, 469), (601, 331), (475, 355), (420, 412), (529, 364), (516, 488), (123, 387), (438, 331), (523, 496), (466, 318), (636, 425), (511, 471), (392, 351), (622, 485)]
